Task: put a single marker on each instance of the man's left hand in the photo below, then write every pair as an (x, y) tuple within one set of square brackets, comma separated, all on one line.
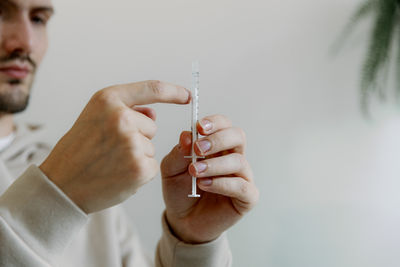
[(225, 182)]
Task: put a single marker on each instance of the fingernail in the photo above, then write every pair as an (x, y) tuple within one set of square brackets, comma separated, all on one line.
[(206, 125), (205, 181), (200, 167), (204, 146), (189, 96)]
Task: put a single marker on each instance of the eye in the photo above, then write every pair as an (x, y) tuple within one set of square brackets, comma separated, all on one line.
[(37, 20)]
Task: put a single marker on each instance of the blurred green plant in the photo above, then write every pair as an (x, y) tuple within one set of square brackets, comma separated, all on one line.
[(376, 66)]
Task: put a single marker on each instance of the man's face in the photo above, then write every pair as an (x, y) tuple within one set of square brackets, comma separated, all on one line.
[(23, 44)]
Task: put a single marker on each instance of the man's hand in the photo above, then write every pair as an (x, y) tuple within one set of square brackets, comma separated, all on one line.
[(225, 180), (107, 154)]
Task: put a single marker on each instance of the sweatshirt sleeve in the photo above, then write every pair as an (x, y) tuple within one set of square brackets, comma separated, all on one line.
[(173, 252), (132, 252), (37, 221)]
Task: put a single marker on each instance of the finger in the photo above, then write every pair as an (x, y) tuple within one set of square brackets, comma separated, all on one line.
[(155, 167), (212, 124), (235, 187), (175, 162), (151, 168), (148, 92), (147, 147), (230, 138), (149, 112), (233, 163), (144, 124)]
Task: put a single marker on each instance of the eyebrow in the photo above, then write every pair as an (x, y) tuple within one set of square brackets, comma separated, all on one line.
[(48, 9)]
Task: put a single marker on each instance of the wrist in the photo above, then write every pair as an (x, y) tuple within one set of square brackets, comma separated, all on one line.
[(57, 178), (178, 229)]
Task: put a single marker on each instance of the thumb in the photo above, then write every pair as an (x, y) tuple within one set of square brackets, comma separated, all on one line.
[(175, 162)]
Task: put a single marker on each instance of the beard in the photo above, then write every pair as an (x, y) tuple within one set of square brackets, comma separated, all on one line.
[(15, 93), (14, 96)]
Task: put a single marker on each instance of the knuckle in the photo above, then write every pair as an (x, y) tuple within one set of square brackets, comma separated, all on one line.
[(241, 160), (120, 119), (134, 141), (156, 87), (222, 184), (243, 188), (153, 129), (147, 125), (242, 135), (132, 148), (144, 169), (103, 97), (254, 197)]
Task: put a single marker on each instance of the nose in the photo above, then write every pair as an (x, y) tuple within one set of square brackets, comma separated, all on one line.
[(17, 36)]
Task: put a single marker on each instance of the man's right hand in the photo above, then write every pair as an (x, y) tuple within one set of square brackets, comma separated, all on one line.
[(107, 154)]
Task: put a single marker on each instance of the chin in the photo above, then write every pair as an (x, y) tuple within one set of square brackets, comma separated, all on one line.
[(14, 96)]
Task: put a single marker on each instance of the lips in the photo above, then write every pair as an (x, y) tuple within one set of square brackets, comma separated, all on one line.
[(16, 72)]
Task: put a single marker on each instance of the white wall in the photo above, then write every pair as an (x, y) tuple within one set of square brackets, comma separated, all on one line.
[(328, 178)]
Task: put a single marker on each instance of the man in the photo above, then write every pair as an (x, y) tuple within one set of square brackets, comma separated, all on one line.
[(62, 213)]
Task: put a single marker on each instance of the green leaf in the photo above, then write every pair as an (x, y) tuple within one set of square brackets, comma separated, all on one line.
[(363, 10), (375, 68)]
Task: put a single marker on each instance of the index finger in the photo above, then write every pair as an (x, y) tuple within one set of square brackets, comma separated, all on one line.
[(149, 92)]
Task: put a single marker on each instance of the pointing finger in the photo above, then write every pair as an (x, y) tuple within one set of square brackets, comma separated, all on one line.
[(148, 92)]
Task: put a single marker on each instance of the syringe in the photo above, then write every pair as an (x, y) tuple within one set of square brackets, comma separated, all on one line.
[(195, 117)]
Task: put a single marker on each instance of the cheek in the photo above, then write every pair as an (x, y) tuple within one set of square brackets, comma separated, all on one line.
[(41, 46)]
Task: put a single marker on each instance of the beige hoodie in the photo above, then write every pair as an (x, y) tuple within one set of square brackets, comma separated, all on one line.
[(41, 226)]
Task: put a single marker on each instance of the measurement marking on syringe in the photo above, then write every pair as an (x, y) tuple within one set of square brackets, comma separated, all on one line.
[(195, 116)]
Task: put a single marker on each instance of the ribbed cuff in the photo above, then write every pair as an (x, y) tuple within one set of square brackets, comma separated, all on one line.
[(173, 252), (41, 214)]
